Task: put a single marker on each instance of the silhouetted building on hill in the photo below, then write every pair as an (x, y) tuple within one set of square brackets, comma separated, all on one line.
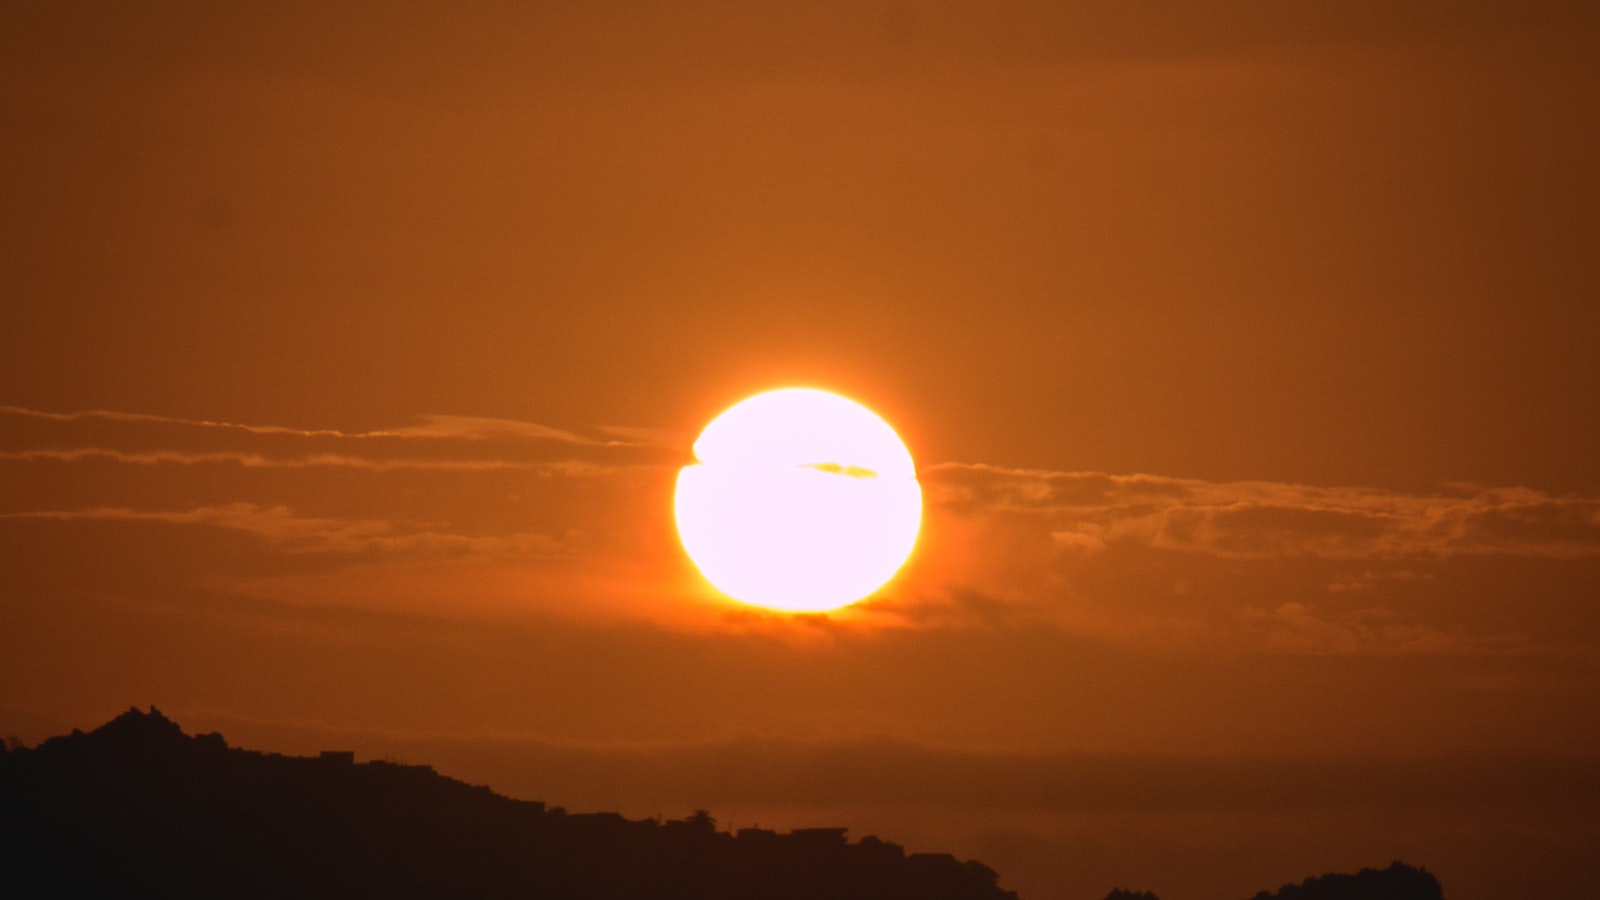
[(878, 849), (820, 837), (138, 809)]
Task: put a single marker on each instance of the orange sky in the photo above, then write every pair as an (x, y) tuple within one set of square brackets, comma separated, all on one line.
[(1246, 352)]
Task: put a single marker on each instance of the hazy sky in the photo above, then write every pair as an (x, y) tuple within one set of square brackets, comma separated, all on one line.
[(1247, 351)]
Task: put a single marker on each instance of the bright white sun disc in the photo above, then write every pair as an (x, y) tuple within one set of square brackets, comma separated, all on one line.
[(800, 500)]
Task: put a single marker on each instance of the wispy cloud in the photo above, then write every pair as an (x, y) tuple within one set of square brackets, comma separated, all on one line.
[(1147, 559), (1251, 566), (1296, 627), (106, 415), (1088, 511), (429, 427), (453, 513), (291, 532), (317, 460), (478, 428), (434, 443)]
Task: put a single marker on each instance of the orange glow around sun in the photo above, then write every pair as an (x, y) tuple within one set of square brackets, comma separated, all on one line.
[(799, 500)]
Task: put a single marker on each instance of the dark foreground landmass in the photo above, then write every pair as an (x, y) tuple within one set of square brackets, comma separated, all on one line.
[(136, 808)]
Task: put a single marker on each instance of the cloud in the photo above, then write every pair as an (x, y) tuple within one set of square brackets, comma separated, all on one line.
[(318, 460), (657, 437), (436, 442), (387, 518), (478, 428), (458, 516), (293, 533), (392, 566), (961, 607), (277, 525), (106, 415), (1190, 565), (1088, 511), (430, 427), (1296, 627)]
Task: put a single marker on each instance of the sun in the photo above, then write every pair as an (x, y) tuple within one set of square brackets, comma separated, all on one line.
[(799, 500)]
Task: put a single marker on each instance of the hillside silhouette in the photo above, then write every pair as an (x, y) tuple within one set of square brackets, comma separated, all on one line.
[(1398, 882), (137, 808)]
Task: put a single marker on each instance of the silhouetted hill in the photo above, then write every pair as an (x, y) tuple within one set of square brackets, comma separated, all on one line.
[(137, 808), (1398, 882)]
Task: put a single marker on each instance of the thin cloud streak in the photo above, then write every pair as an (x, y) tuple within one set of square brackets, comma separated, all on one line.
[(479, 428), (1299, 628), (320, 460), (1089, 511), (107, 415), (282, 527), (431, 427)]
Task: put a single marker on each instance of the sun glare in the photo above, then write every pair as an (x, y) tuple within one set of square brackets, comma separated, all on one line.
[(799, 500)]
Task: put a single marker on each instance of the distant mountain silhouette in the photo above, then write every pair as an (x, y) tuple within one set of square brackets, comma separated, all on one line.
[(136, 808), (1398, 882)]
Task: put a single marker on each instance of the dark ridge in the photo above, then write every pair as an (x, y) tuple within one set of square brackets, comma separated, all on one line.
[(1398, 882), (136, 808)]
